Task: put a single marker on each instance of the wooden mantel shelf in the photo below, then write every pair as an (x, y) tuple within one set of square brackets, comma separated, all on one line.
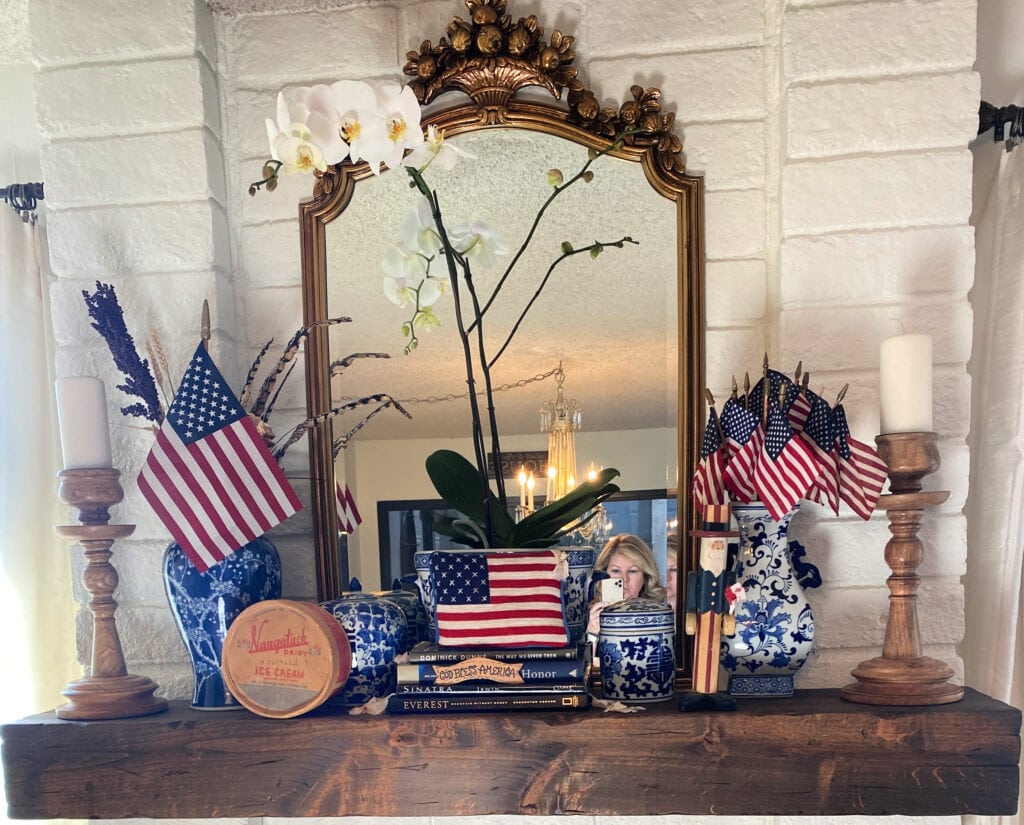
[(812, 754)]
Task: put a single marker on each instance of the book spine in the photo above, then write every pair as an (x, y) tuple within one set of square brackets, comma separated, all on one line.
[(453, 655), (441, 702), (480, 670), (554, 687)]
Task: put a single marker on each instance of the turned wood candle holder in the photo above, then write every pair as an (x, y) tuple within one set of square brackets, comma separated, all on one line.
[(901, 675), (109, 691)]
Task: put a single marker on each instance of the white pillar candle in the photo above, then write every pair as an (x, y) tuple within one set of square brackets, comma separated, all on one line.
[(905, 384), (84, 431)]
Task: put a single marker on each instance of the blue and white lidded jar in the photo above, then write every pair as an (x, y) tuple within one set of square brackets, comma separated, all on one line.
[(377, 630), (636, 649)]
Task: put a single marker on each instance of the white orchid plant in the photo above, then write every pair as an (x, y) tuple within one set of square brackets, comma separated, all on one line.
[(351, 121)]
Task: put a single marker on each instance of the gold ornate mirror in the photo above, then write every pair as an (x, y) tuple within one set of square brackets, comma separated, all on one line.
[(628, 328)]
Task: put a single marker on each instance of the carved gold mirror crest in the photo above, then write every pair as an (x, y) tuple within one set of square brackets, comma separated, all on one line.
[(639, 319)]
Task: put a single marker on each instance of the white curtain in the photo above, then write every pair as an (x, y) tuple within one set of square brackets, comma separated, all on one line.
[(994, 583), (35, 592)]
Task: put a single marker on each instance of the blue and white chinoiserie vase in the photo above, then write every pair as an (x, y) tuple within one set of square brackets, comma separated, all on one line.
[(774, 624), (205, 604), (636, 650), (575, 589), (377, 631)]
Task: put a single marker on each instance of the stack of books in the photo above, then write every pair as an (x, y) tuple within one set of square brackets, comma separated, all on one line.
[(454, 680)]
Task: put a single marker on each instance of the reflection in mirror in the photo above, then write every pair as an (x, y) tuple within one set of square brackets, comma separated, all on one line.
[(611, 322), (627, 328)]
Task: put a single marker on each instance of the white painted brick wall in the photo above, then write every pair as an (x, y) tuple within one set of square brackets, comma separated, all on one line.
[(832, 140)]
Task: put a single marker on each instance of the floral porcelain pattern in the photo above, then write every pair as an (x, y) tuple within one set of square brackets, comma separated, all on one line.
[(774, 623), (377, 630), (205, 604), (636, 649)]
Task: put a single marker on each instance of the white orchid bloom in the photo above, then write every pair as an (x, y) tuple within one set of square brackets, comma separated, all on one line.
[(345, 113), (401, 291), (434, 150), (418, 231), (291, 141), (398, 291), (400, 116), (478, 242), (404, 263)]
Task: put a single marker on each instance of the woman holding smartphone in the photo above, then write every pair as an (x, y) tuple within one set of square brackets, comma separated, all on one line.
[(627, 558)]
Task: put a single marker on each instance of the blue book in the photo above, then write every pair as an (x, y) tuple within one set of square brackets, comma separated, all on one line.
[(442, 702), (484, 670)]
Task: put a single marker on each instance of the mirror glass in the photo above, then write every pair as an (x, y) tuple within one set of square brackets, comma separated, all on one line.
[(625, 328)]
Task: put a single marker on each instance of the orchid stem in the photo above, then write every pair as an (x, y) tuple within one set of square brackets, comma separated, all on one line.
[(479, 449), (558, 190), (544, 281)]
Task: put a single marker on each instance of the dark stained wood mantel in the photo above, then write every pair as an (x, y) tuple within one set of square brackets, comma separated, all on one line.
[(812, 754)]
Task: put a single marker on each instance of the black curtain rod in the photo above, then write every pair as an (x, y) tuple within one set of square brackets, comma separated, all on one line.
[(22, 197), (996, 117)]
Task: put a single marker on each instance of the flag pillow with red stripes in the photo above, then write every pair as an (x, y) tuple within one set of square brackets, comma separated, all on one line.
[(499, 598)]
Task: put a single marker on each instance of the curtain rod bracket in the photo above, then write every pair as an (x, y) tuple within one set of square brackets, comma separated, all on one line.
[(23, 198)]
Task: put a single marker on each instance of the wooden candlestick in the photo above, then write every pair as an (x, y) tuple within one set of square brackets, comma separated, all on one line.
[(109, 691), (901, 675)]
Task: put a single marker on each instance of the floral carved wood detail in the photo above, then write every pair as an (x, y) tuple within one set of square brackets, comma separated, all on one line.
[(491, 57)]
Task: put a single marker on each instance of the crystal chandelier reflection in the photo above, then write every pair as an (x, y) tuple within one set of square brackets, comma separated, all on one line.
[(560, 418)]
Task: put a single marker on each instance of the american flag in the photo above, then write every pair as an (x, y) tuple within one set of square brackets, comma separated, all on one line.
[(498, 599), (776, 380), (210, 478), (786, 467), (706, 486), (745, 437), (800, 407), (820, 435), (348, 514), (862, 473)]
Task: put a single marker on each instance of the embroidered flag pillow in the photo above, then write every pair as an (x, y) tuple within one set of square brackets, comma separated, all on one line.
[(499, 599)]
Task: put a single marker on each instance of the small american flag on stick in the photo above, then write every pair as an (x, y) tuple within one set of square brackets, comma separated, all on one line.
[(348, 514), (499, 599), (209, 476)]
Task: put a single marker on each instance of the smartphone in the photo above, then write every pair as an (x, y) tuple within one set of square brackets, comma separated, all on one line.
[(609, 590)]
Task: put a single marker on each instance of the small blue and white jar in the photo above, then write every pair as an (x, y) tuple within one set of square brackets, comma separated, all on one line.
[(636, 649), (377, 631)]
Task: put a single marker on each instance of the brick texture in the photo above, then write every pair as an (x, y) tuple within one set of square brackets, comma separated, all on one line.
[(832, 138)]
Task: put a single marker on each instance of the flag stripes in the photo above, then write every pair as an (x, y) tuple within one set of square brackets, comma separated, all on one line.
[(209, 477), (499, 599), (348, 514)]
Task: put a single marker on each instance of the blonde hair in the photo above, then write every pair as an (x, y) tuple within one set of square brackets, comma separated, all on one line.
[(636, 550)]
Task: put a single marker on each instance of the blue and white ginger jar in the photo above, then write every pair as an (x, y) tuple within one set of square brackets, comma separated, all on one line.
[(205, 604), (377, 631), (636, 649)]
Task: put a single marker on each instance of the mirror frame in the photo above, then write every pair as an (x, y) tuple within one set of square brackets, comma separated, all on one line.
[(491, 58)]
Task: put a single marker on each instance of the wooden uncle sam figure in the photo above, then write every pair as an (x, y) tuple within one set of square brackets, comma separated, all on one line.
[(711, 597)]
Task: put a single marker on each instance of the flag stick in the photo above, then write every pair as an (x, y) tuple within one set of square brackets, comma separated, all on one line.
[(714, 414), (746, 390), (764, 394), (799, 369), (735, 389), (842, 394), (204, 325)]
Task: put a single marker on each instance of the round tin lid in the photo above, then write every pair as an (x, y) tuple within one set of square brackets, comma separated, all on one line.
[(283, 658)]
